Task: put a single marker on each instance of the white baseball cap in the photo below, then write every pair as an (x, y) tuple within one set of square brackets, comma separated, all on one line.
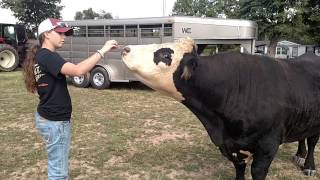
[(56, 25)]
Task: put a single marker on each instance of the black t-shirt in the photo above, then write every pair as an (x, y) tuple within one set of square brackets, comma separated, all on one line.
[(55, 102)]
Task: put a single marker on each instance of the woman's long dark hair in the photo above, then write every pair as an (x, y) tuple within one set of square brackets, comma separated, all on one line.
[(28, 66)]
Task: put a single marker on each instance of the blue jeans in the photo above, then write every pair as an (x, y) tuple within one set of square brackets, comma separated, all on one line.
[(56, 135)]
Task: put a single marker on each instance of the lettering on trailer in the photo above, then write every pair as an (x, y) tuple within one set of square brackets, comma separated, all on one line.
[(186, 30)]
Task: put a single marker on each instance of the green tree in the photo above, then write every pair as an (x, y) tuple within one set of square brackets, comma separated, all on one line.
[(32, 12), (295, 20), (90, 14), (312, 19), (206, 8), (201, 8), (78, 15), (105, 15), (229, 8), (276, 20)]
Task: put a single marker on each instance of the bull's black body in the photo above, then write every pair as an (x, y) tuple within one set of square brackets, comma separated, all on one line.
[(252, 103), (304, 158)]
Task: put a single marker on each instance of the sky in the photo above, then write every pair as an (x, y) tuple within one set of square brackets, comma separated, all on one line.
[(118, 8)]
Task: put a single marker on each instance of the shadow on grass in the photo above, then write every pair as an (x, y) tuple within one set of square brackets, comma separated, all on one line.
[(131, 85)]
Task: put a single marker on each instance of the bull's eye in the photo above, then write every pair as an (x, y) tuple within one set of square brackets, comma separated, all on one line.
[(167, 56), (163, 55)]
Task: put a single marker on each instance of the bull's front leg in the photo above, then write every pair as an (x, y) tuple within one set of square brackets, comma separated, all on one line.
[(263, 155), (239, 158), (300, 157), (309, 168), (240, 170)]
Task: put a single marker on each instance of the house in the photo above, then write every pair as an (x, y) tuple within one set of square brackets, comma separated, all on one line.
[(286, 49)]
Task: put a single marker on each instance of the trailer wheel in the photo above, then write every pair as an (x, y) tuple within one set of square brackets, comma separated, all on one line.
[(99, 78), (9, 59), (82, 81)]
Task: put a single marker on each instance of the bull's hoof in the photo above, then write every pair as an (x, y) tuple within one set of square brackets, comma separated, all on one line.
[(298, 161), (309, 172)]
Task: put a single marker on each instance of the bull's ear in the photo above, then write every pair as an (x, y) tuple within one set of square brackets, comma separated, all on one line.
[(189, 63)]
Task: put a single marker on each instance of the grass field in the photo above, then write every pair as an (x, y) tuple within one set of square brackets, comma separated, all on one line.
[(126, 132)]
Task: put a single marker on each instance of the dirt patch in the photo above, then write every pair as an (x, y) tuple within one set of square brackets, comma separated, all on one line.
[(154, 123), (130, 176), (114, 161), (37, 172), (156, 137), (86, 169), (23, 123), (167, 136)]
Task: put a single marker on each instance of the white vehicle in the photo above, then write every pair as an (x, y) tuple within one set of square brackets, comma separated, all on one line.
[(90, 35)]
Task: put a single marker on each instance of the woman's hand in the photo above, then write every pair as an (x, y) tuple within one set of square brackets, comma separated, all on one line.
[(111, 44)]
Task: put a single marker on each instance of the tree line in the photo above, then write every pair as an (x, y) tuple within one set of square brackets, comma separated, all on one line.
[(293, 20), (32, 12)]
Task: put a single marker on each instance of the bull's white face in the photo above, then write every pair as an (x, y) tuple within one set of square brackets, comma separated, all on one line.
[(155, 64)]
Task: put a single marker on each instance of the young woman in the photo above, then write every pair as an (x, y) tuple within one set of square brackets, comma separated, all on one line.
[(45, 73)]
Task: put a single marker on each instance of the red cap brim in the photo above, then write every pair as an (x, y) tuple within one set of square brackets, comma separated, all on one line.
[(66, 30)]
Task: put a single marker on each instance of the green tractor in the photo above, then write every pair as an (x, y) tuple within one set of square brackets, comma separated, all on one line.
[(13, 46)]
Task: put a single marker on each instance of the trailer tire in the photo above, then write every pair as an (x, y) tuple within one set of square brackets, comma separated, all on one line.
[(82, 81), (9, 59), (99, 78)]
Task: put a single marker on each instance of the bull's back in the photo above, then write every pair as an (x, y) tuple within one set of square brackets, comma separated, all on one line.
[(259, 91)]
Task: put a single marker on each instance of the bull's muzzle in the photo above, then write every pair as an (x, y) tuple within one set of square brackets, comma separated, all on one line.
[(125, 50)]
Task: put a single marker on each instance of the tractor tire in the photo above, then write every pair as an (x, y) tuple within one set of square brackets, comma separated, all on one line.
[(9, 59)]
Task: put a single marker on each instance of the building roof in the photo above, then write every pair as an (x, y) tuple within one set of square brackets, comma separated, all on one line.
[(280, 43), (287, 43), (262, 43)]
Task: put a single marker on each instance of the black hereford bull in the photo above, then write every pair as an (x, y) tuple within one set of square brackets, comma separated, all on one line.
[(249, 105)]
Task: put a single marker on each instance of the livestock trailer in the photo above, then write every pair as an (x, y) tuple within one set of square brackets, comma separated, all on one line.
[(90, 35)]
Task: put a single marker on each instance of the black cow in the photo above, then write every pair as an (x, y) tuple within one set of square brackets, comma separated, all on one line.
[(248, 104), (304, 158)]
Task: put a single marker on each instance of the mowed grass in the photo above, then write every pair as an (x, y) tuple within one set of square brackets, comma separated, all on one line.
[(126, 132)]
